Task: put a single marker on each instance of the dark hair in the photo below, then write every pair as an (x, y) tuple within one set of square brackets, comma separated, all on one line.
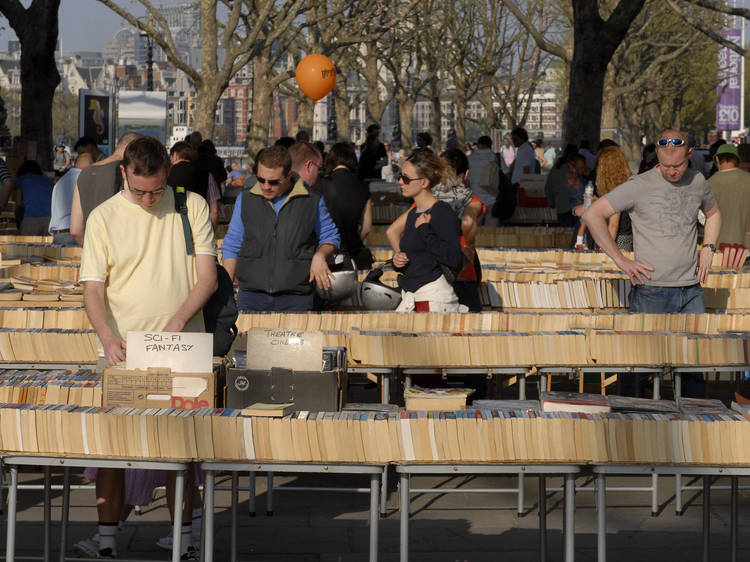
[(206, 147), (744, 149), (715, 146), (286, 142), (341, 154), (576, 158), (84, 141), (29, 167), (302, 136), (146, 156), (484, 140), (425, 137), (728, 157), (520, 132), (320, 146), (184, 150), (276, 156), (604, 143), (584, 143), (457, 159), (570, 151), (373, 129)]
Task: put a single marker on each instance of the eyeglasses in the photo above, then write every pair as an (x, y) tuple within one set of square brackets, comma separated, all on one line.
[(673, 142), (406, 179), (141, 193), (268, 182)]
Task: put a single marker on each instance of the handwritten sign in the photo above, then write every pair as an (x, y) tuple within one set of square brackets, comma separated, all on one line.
[(182, 352), (290, 349)]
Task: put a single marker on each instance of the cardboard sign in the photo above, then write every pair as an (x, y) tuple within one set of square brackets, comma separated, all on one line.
[(158, 388), (290, 349), (182, 352)]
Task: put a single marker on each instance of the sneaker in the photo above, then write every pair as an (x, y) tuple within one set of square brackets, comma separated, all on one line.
[(88, 548), (581, 247), (165, 543), (106, 553), (191, 554)]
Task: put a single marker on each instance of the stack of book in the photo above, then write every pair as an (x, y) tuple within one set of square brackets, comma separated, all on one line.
[(78, 387), (47, 346)]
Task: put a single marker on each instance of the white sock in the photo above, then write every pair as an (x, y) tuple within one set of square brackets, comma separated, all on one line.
[(579, 240), (187, 538), (108, 536)]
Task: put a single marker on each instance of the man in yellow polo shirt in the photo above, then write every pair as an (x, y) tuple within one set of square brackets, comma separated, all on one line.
[(138, 276)]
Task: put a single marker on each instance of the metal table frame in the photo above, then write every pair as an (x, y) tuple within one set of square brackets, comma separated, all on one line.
[(211, 467), (457, 371), (706, 471), (383, 374), (544, 372), (13, 462), (569, 471)]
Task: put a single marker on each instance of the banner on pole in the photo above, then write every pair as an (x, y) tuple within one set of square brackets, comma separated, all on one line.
[(729, 90)]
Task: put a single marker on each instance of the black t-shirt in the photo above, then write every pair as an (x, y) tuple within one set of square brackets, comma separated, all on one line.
[(430, 245), (186, 174), (345, 196), (371, 160)]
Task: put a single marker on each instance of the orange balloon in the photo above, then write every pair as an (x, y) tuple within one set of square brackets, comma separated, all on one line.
[(316, 76)]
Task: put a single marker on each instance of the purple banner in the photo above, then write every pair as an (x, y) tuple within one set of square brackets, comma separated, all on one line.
[(729, 88)]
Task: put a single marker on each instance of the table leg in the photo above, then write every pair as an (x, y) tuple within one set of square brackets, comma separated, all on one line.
[(542, 518), (269, 494), (654, 495), (678, 494), (522, 387), (47, 514), (235, 498), (733, 518), (208, 515), (384, 491), (521, 494), (542, 383), (374, 501), (706, 518), (179, 500), (657, 386), (65, 513), (10, 541), (404, 508), (570, 491), (385, 390), (677, 385), (601, 518), (251, 491)]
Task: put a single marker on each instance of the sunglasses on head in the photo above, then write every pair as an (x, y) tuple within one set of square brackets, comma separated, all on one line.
[(268, 182), (673, 142)]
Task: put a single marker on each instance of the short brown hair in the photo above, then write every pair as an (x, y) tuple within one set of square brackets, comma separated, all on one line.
[(301, 152), (275, 157), (184, 150), (146, 156), (341, 154)]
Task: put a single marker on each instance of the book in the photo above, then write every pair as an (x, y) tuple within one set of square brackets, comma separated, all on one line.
[(632, 404), (553, 401), (700, 406), (268, 410)]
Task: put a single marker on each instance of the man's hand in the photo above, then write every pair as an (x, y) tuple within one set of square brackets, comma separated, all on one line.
[(424, 218), (319, 272), (704, 263), (636, 271), (113, 349), (400, 259)]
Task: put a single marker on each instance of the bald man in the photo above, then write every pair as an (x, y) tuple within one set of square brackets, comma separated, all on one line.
[(663, 205)]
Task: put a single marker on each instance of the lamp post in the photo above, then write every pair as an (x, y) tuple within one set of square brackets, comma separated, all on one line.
[(149, 61)]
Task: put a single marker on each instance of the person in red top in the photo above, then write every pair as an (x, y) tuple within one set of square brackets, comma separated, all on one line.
[(469, 209)]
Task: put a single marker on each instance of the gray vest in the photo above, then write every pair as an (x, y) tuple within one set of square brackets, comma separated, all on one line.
[(276, 252)]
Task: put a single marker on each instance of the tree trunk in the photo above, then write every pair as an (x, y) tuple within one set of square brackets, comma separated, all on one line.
[(305, 116), (207, 97), (374, 105), (594, 42), (436, 119), (262, 105), (37, 30), (341, 103), (460, 121), (405, 109)]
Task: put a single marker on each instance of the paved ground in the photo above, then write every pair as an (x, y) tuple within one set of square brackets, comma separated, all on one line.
[(333, 527)]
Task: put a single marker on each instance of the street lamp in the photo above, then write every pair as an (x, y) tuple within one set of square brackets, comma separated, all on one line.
[(149, 61)]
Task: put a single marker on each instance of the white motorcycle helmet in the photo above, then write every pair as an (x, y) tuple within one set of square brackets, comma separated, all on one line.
[(376, 295), (344, 283)]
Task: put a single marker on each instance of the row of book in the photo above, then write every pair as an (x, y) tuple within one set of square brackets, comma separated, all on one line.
[(57, 346), (45, 318), (46, 272), (56, 386), (54, 254), (498, 237), (568, 347), (478, 435)]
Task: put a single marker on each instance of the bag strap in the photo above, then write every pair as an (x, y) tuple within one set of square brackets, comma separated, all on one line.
[(180, 205)]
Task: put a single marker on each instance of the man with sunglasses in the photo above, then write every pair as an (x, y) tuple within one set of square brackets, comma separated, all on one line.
[(281, 235), (138, 276)]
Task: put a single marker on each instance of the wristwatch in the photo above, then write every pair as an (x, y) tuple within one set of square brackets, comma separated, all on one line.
[(710, 247)]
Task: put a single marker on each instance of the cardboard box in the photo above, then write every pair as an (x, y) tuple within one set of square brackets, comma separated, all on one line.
[(315, 391), (158, 388), (442, 404)]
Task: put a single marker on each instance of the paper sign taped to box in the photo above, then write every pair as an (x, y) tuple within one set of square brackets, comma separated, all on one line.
[(298, 350), (182, 352)]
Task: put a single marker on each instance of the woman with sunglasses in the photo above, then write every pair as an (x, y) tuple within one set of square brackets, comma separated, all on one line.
[(430, 240)]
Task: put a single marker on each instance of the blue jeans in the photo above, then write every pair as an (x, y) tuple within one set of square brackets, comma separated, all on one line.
[(650, 299), (253, 301), (670, 300)]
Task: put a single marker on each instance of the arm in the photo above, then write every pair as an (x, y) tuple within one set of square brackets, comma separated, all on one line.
[(76, 218), (213, 211), (94, 293), (710, 236), (366, 220), (595, 218), (233, 239), (439, 233), (328, 240), (613, 225), (205, 266), (230, 264), (395, 230)]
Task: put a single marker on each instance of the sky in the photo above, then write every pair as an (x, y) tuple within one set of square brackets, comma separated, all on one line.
[(85, 25)]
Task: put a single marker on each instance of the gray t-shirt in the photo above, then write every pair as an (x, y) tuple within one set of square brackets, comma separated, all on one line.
[(665, 218)]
